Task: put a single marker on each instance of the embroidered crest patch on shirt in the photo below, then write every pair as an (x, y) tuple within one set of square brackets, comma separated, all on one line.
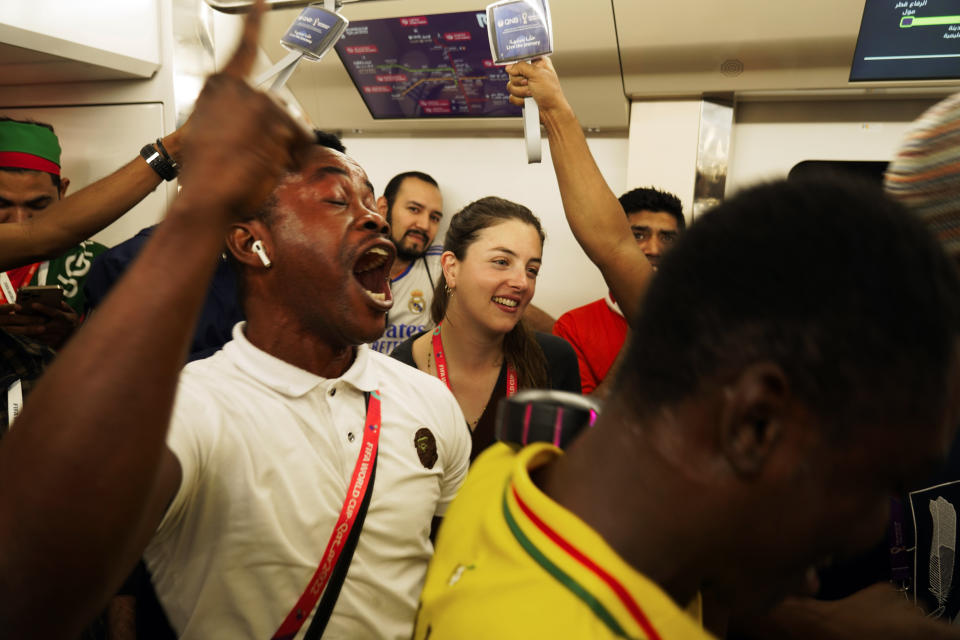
[(417, 302), (426, 445)]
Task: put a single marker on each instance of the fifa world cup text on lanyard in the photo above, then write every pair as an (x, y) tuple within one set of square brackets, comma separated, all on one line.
[(521, 30)]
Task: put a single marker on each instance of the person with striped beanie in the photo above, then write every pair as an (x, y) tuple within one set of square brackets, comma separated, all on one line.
[(925, 174)]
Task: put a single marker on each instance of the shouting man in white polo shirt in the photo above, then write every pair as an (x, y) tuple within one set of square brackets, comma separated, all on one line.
[(299, 465), (271, 434)]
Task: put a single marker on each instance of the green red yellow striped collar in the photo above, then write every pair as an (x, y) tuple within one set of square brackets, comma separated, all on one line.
[(578, 558)]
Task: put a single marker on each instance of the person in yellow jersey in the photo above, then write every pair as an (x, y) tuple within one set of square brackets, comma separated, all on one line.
[(767, 407), (539, 571)]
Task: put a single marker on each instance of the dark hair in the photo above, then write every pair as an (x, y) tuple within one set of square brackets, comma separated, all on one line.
[(393, 187), (329, 140), (53, 178), (520, 349), (651, 199), (830, 279)]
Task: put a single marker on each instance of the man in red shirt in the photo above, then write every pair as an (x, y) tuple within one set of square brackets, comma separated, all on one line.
[(598, 330)]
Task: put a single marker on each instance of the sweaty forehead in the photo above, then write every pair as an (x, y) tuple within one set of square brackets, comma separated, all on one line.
[(26, 185), (323, 161)]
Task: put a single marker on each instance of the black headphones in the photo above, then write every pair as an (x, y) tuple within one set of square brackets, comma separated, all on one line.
[(535, 415)]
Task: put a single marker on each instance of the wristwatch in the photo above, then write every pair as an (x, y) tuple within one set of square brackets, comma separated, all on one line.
[(159, 161)]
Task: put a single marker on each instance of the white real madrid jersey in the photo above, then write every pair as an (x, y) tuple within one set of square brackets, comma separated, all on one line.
[(412, 294)]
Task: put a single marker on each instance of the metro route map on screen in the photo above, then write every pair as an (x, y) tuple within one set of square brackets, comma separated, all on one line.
[(434, 66), (908, 40)]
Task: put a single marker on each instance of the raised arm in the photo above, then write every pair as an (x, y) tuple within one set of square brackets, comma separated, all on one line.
[(595, 216), (77, 217), (79, 468)]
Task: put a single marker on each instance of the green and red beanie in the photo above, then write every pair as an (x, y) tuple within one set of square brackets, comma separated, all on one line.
[(25, 145)]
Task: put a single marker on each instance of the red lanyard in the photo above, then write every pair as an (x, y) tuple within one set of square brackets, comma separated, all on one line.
[(348, 514), (441, 361), (14, 279)]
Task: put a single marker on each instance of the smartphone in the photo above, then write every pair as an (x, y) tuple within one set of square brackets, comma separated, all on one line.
[(48, 296)]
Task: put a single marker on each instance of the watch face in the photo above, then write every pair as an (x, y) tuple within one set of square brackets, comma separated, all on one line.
[(158, 163)]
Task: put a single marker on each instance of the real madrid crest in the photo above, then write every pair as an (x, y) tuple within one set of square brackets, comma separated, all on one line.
[(417, 302)]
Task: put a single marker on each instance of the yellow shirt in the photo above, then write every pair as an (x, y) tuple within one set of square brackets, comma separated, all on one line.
[(511, 563)]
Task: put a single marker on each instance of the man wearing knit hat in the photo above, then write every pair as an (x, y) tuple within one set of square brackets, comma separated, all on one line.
[(30, 181), (925, 175)]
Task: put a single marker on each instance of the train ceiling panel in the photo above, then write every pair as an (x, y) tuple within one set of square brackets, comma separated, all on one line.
[(700, 47), (49, 41), (586, 57)]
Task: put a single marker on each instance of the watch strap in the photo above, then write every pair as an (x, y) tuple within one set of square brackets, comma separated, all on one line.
[(164, 168)]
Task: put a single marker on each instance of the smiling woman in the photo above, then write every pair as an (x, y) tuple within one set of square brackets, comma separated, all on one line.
[(480, 347)]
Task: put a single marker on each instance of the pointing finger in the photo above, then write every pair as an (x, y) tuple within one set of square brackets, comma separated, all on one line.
[(241, 64)]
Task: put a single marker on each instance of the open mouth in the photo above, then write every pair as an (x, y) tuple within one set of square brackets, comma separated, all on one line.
[(507, 304), (372, 271)]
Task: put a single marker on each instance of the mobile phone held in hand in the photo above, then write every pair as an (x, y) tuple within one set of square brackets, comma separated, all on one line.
[(47, 295)]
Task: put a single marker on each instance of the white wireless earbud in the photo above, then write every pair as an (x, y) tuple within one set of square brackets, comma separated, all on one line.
[(261, 253)]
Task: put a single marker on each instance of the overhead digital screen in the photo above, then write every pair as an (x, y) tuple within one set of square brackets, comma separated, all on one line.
[(908, 40), (436, 66)]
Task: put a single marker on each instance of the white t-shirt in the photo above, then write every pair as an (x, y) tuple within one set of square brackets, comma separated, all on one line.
[(267, 451), (412, 295)]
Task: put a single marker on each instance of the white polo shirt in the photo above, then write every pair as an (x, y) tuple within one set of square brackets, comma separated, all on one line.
[(267, 451)]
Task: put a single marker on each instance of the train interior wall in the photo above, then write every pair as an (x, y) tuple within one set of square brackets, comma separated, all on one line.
[(104, 124), (769, 138)]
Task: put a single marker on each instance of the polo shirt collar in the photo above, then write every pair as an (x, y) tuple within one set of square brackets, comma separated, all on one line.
[(290, 380)]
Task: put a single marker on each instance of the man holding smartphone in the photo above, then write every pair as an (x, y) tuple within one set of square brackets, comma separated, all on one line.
[(30, 181)]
